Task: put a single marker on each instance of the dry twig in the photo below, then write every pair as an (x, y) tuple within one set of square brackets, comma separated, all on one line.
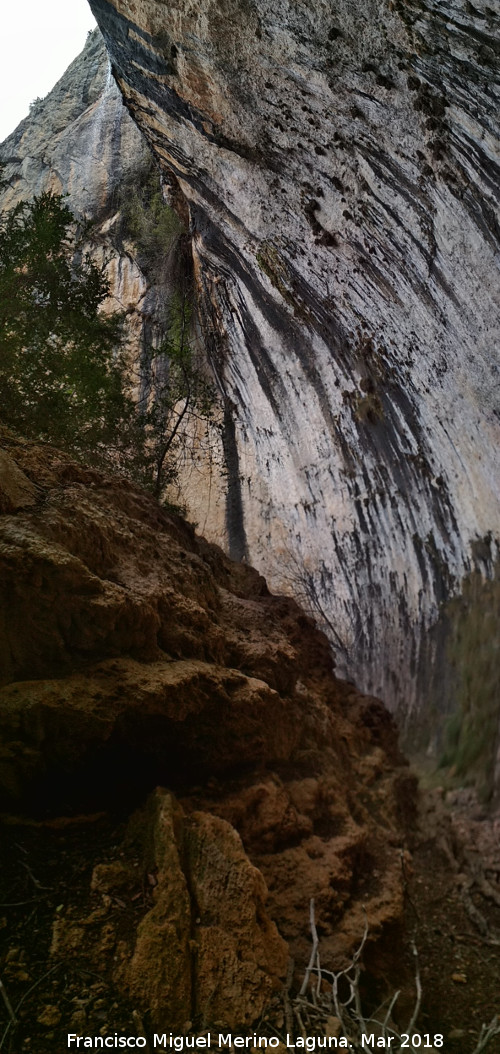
[(313, 1015), (8, 1004), (487, 1032)]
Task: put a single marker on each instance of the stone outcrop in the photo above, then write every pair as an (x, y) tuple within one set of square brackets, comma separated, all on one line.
[(240, 957), (206, 950), (340, 168), (134, 654)]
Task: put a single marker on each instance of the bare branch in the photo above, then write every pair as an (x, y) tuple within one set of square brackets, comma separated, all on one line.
[(418, 988), (385, 1023), (487, 1032), (8, 1004), (354, 1026), (314, 933)]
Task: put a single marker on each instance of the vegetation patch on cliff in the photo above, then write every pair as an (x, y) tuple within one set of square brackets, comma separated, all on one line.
[(472, 738), (65, 372), (61, 372)]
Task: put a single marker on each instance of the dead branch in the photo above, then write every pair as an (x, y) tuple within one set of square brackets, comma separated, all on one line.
[(418, 988), (307, 974), (13, 1020), (8, 1003), (476, 916), (487, 1032), (313, 1015)]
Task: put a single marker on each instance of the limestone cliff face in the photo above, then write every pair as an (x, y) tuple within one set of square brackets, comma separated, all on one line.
[(341, 171), (80, 141)]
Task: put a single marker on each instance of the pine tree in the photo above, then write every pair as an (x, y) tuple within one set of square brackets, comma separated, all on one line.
[(61, 370)]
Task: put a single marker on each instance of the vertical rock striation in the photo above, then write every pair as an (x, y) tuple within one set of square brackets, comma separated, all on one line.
[(78, 140), (341, 168)]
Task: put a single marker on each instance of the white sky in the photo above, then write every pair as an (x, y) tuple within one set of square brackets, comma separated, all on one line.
[(38, 41)]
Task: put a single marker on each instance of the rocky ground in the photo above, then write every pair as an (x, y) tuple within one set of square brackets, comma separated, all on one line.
[(454, 902), (136, 656), (83, 876)]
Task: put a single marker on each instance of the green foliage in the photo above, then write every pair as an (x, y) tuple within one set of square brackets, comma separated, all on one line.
[(179, 401), (182, 399), (472, 735), (147, 221), (63, 374), (60, 375)]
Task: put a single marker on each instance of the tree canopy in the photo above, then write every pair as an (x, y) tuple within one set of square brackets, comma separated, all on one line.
[(61, 374)]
